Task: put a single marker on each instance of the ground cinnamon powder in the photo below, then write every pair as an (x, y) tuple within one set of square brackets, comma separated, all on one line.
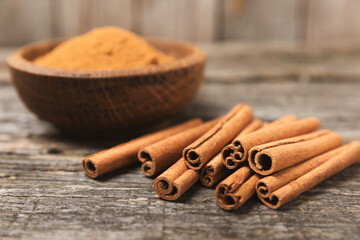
[(104, 48)]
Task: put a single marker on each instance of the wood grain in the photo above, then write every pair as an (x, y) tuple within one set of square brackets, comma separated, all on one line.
[(45, 194), (71, 18), (282, 61), (332, 21), (19, 24), (309, 22), (4, 73), (187, 20), (261, 19), (271, 61)]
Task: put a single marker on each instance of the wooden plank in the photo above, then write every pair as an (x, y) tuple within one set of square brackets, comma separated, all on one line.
[(112, 12), (49, 187), (332, 21), (21, 23), (4, 74), (316, 22), (185, 20), (263, 20), (274, 61), (71, 18), (243, 62)]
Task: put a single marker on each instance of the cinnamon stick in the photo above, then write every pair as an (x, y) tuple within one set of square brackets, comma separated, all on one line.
[(271, 157), (231, 154), (175, 181), (125, 154), (203, 149), (236, 189), (269, 184), (270, 134), (215, 170), (330, 164), (162, 154)]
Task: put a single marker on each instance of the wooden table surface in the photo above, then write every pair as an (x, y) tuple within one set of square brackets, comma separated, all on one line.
[(44, 194)]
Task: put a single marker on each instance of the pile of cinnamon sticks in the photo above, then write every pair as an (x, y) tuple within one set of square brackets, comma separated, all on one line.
[(237, 154)]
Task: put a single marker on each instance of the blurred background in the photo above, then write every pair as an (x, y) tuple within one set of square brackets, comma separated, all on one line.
[(245, 40), (305, 21)]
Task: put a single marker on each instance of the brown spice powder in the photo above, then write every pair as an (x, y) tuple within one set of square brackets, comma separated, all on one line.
[(104, 48)]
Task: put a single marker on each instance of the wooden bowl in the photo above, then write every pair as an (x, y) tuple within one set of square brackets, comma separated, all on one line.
[(86, 102)]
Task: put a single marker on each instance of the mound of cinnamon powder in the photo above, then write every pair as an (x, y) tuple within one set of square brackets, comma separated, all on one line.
[(104, 48)]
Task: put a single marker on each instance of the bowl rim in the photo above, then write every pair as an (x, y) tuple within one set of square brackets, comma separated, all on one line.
[(17, 61)]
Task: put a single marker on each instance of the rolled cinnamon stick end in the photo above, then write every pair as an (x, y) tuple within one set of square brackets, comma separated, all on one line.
[(251, 127), (215, 171), (232, 154), (208, 145), (125, 154), (342, 159), (275, 133), (269, 184), (175, 181), (163, 184), (271, 157), (162, 154), (236, 189)]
